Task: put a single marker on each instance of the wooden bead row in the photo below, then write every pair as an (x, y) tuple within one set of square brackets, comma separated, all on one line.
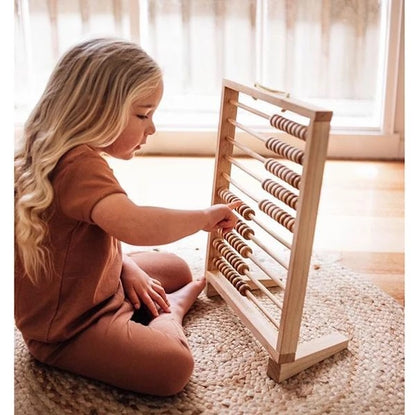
[(244, 210), (244, 230), (231, 276), (291, 127), (283, 172), (238, 244), (278, 214), (235, 261), (280, 192), (285, 150)]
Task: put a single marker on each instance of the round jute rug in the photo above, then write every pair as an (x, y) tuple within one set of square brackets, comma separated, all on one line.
[(230, 365)]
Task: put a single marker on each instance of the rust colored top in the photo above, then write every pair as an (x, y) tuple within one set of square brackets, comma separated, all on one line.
[(86, 281)]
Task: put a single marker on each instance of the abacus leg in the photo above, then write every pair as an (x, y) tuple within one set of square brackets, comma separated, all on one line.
[(308, 354)]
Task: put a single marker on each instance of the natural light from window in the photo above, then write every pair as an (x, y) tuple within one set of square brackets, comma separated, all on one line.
[(329, 52)]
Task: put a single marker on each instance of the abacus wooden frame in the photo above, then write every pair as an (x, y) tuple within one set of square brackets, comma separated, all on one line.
[(287, 356)]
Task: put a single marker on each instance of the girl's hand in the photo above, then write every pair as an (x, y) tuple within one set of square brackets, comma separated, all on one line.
[(221, 217), (140, 288)]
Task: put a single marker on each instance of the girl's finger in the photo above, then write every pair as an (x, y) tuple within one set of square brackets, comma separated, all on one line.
[(226, 224), (161, 291), (150, 304), (234, 205), (134, 299), (160, 301)]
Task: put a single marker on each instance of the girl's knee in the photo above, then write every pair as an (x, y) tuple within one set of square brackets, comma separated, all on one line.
[(176, 373), (180, 269), (171, 270)]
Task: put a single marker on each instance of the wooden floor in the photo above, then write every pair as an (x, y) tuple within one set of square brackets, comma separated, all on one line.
[(360, 219), (363, 202)]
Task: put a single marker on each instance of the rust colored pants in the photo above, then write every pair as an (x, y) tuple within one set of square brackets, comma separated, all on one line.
[(153, 359)]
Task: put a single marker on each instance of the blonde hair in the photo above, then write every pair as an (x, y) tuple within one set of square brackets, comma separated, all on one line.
[(86, 101)]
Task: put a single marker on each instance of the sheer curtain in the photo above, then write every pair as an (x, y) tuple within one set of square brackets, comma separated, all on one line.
[(334, 53)]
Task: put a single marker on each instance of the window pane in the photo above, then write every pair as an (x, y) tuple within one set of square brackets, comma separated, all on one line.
[(330, 52), (206, 41), (327, 51)]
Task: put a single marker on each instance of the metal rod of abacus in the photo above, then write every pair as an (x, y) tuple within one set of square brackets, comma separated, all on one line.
[(243, 288), (268, 252), (253, 238), (271, 186), (244, 271), (241, 188), (281, 240), (246, 150), (244, 168), (263, 289), (277, 121), (270, 232), (250, 109), (273, 166), (247, 130), (262, 309), (267, 272)]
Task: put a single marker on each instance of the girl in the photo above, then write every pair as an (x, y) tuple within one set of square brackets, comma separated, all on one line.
[(79, 300)]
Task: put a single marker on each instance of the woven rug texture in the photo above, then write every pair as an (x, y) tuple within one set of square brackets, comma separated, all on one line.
[(230, 365)]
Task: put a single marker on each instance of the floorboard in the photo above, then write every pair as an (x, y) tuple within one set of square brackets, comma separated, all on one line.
[(360, 218)]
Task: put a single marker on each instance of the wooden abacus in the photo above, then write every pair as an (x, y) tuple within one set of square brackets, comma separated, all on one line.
[(226, 271)]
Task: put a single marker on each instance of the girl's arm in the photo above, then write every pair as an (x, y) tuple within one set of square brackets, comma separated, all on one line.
[(143, 225)]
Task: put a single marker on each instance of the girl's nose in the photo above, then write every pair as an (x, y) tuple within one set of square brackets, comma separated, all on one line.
[(151, 129)]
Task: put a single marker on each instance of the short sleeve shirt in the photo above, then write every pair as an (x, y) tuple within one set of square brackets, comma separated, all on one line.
[(87, 261)]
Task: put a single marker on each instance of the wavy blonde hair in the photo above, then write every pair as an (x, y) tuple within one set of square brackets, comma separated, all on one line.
[(87, 100)]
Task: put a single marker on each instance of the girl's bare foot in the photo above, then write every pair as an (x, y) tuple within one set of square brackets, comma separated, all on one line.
[(182, 300)]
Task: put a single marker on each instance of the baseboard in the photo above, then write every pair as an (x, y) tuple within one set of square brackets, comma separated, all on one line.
[(342, 145), (360, 146)]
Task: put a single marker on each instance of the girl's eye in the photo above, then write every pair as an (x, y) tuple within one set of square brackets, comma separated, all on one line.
[(142, 117)]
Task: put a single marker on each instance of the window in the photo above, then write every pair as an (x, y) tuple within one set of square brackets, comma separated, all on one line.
[(340, 54)]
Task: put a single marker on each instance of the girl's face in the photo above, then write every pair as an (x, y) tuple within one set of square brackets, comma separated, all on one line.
[(139, 126)]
